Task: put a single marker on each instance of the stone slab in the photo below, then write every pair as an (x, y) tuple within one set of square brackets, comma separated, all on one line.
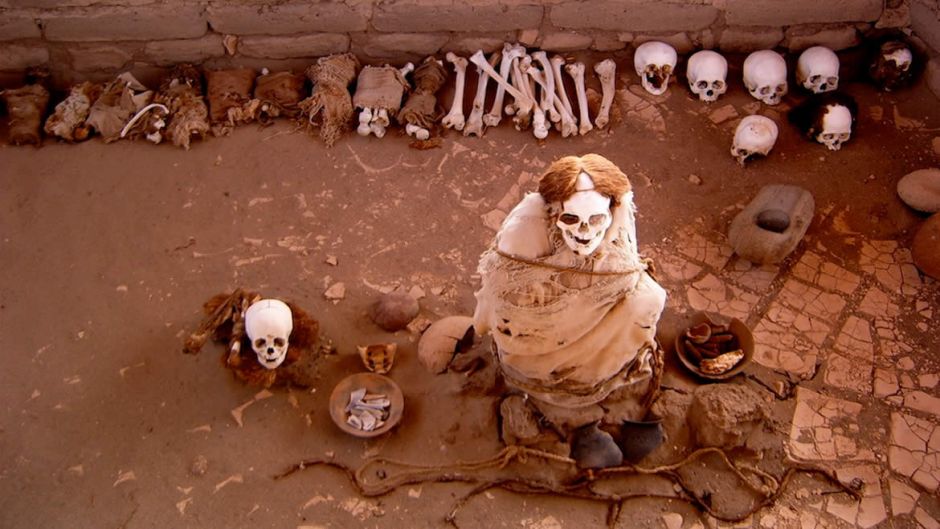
[(15, 27), (16, 58), (279, 47), (286, 19), (170, 52), (125, 23), (448, 15), (777, 13), (632, 15)]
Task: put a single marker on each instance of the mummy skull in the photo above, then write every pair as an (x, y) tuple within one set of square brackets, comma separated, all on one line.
[(754, 135), (654, 62), (817, 70), (584, 218), (836, 127), (891, 67), (765, 76), (707, 73), (268, 324)]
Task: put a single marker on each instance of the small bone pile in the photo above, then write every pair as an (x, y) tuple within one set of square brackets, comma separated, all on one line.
[(379, 91), (367, 412)]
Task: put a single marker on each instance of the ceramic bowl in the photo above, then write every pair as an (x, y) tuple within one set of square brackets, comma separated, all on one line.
[(736, 327), (373, 383)]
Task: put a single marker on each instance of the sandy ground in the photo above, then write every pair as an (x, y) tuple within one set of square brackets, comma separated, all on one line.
[(109, 251)]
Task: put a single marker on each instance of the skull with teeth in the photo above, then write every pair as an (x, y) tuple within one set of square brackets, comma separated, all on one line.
[(707, 73), (585, 217), (817, 70), (765, 76), (892, 66), (754, 135), (268, 324), (836, 127), (655, 62)]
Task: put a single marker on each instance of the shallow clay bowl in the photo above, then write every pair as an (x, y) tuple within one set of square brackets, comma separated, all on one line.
[(736, 327), (374, 384)]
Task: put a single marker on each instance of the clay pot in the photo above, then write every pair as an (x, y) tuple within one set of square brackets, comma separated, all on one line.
[(639, 438)]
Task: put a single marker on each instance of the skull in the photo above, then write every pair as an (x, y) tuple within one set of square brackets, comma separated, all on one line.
[(818, 69), (754, 135), (268, 324), (836, 127), (584, 218), (654, 62), (892, 66), (707, 72), (765, 76)]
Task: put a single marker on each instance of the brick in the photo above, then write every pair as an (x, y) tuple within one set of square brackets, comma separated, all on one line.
[(741, 40), (607, 43), (133, 23), (14, 58), (398, 46), (566, 41), (286, 19), (50, 4), (14, 27), (170, 52), (467, 45), (107, 58), (787, 13), (316, 45), (632, 15), (527, 37), (925, 21), (680, 41), (453, 15), (837, 39), (705, 39)]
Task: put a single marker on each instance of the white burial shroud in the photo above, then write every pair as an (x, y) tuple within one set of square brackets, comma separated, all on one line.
[(568, 329)]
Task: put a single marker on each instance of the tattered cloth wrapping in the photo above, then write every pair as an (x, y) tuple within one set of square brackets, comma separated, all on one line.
[(229, 95), (68, 120), (380, 87), (422, 109), (569, 330), (26, 107), (280, 94), (121, 99), (181, 93), (331, 77)]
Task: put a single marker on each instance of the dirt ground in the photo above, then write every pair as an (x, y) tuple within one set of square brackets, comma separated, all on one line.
[(109, 251)]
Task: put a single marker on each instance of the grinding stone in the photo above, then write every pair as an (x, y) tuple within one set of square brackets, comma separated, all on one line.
[(773, 205), (920, 190)]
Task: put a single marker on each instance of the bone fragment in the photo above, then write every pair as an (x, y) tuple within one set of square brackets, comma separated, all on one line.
[(606, 71)]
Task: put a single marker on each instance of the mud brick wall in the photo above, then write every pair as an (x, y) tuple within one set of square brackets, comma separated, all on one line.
[(81, 39)]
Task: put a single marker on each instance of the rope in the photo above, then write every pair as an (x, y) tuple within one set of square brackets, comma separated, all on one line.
[(645, 264)]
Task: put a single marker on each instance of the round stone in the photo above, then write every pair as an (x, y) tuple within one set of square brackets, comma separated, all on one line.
[(394, 311), (921, 190), (926, 248)]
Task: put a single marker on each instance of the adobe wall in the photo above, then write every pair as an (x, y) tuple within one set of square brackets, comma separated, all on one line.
[(96, 38)]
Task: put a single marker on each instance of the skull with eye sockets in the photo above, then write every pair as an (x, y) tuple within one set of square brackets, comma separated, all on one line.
[(268, 324), (765, 76), (817, 69), (707, 73), (585, 218)]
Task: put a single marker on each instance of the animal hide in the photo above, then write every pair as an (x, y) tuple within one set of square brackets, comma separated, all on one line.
[(181, 94), (26, 108), (119, 101), (68, 120), (230, 102), (279, 94)]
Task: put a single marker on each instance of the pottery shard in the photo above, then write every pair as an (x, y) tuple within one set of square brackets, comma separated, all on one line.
[(394, 311), (443, 340), (926, 248), (724, 415), (750, 237), (519, 424), (920, 190)]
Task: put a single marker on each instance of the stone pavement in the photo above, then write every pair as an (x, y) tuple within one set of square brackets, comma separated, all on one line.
[(854, 328)]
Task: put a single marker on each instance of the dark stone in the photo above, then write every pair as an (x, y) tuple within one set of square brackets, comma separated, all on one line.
[(592, 447), (774, 220), (394, 311)]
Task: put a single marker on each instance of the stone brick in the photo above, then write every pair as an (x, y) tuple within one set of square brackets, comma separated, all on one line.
[(119, 23), (607, 43), (50, 4), (169, 52), (316, 45), (566, 41), (21, 57), (466, 45), (286, 19), (398, 46), (528, 37), (705, 39), (740, 40), (13, 27), (925, 21), (799, 39), (680, 41), (105, 58), (632, 15), (787, 13), (896, 16), (454, 15)]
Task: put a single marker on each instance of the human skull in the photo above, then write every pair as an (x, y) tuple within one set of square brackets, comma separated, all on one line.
[(817, 69), (585, 218), (268, 324), (754, 135), (836, 127), (765, 76), (654, 62), (892, 66), (707, 73)]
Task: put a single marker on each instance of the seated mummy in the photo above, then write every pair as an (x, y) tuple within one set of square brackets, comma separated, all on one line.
[(567, 298)]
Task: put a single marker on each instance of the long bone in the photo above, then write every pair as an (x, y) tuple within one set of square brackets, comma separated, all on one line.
[(522, 115), (510, 53), (524, 102), (576, 71), (532, 76), (568, 125), (606, 70), (549, 87), (475, 122), (454, 119), (557, 62)]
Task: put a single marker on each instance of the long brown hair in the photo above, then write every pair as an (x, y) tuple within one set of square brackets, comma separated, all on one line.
[(560, 180)]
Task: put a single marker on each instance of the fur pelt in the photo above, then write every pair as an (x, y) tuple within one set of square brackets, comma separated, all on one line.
[(279, 94), (181, 93), (68, 120), (26, 107), (119, 101), (230, 101)]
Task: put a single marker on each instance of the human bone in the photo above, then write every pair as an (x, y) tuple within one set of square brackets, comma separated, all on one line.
[(655, 62), (455, 118), (836, 127), (765, 76), (367, 412), (475, 123), (892, 66), (154, 136), (754, 135), (722, 363), (707, 73), (817, 70), (606, 71), (584, 218), (576, 71), (268, 324), (549, 87), (524, 108), (569, 124), (521, 94), (509, 54), (379, 92), (421, 110)]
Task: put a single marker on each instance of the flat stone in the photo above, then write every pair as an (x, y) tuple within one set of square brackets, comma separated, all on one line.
[(672, 520), (15, 27), (926, 247), (680, 41), (920, 190), (885, 383), (903, 497), (566, 41), (918, 400), (99, 58), (799, 39), (744, 40), (925, 519), (761, 246), (722, 114)]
